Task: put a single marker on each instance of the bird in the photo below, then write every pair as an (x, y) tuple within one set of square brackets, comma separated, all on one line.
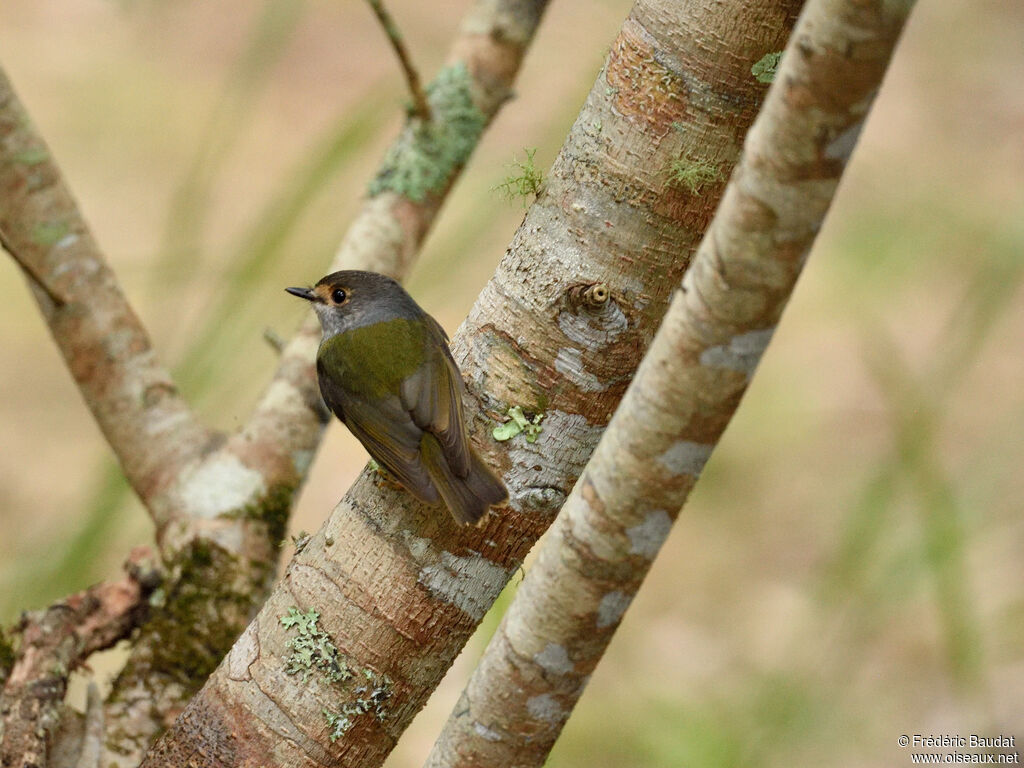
[(385, 370)]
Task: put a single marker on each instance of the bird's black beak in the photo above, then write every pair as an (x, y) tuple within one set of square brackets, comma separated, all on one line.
[(303, 293)]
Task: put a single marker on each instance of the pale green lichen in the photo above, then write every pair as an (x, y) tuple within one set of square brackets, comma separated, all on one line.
[(360, 689), (311, 649), (427, 153), (764, 69), (692, 175), (371, 697), (524, 180), (519, 422), (340, 724)]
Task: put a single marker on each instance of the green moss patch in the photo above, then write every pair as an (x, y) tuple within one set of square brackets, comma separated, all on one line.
[(524, 181)]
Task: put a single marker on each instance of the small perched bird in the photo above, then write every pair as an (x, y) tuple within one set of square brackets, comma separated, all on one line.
[(385, 370)]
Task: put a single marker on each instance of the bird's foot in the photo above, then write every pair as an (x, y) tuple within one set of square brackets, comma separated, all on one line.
[(382, 477)]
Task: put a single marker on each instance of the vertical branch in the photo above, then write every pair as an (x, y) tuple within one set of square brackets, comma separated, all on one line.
[(684, 393)]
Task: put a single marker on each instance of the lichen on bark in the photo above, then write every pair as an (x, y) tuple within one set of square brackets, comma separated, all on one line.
[(428, 152)]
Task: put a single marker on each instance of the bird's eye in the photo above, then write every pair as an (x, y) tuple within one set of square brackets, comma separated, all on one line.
[(338, 296)]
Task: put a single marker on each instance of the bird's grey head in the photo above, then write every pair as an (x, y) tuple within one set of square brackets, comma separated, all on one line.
[(351, 299)]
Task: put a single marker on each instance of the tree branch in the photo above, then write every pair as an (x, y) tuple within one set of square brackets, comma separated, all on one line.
[(90, 754), (50, 644), (388, 590), (132, 396), (684, 394), (421, 108), (29, 270)]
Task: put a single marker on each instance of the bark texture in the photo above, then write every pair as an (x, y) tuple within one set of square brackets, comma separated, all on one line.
[(48, 645), (373, 610), (684, 394)]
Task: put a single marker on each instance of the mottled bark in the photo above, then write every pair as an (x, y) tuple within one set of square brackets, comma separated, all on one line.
[(48, 645), (684, 394), (149, 426), (387, 593)]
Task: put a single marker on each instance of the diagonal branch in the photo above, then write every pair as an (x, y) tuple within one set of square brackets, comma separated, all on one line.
[(388, 592), (684, 394), (131, 395)]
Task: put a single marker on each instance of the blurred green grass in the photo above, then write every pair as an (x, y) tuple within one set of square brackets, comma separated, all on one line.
[(850, 566)]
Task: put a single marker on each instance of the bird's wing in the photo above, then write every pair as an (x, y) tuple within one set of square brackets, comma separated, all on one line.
[(432, 395), (386, 430)]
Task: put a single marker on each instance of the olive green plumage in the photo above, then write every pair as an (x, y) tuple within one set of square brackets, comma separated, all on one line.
[(385, 370)]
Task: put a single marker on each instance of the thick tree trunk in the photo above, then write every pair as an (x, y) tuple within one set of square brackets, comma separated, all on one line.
[(684, 395), (374, 609)]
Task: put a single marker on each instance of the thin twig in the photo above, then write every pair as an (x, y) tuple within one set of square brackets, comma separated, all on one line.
[(30, 271), (421, 108), (274, 339)]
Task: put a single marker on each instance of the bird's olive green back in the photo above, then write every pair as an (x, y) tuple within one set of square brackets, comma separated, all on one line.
[(372, 361)]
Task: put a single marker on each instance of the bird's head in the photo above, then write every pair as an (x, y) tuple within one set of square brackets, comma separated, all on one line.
[(351, 298)]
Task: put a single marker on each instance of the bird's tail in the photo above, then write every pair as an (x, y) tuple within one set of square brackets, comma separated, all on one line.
[(468, 498)]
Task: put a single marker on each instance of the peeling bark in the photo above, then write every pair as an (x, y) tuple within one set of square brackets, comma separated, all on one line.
[(396, 588), (684, 394)]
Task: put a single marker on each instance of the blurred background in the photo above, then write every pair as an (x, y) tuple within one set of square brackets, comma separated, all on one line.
[(851, 565)]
